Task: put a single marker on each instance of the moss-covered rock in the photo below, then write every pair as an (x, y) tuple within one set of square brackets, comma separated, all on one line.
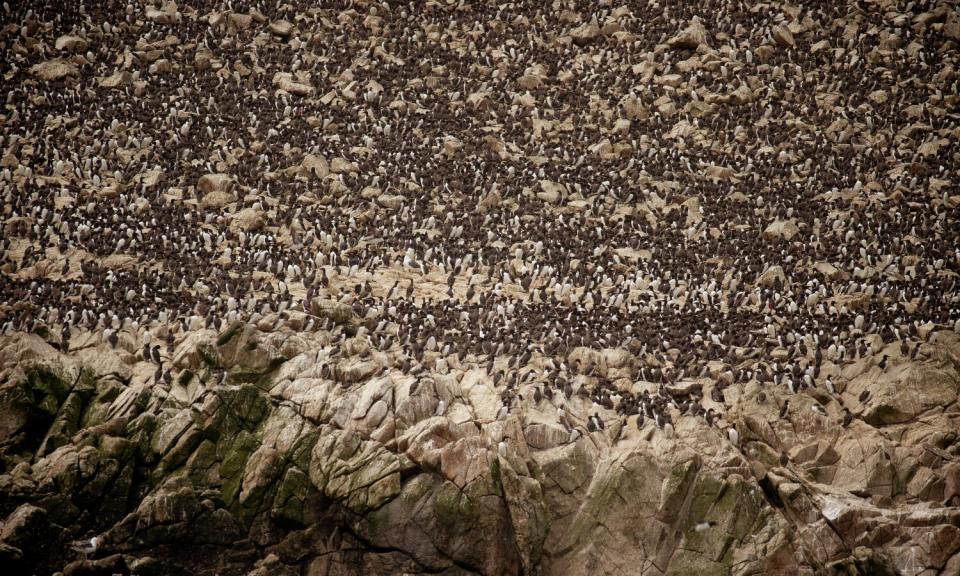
[(675, 489), (30, 407), (528, 515), (234, 452), (291, 500), (203, 465), (360, 474), (66, 423)]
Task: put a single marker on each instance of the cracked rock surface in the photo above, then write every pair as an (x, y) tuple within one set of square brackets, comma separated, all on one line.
[(572, 288)]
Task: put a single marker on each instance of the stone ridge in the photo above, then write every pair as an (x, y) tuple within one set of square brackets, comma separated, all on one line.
[(479, 287)]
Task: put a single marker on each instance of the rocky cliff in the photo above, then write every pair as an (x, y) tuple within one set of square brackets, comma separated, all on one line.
[(567, 288), (285, 453)]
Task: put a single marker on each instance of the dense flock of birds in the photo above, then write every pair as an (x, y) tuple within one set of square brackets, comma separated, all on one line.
[(771, 192)]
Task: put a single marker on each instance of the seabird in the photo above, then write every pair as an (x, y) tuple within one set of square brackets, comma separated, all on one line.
[(709, 417), (733, 435), (702, 526), (847, 417), (86, 547)]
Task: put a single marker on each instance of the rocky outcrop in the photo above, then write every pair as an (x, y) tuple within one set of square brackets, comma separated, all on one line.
[(299, 455), (332, 288)]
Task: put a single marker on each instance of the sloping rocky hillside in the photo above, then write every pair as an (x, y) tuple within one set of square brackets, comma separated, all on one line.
[(323, 458), (464, 287)]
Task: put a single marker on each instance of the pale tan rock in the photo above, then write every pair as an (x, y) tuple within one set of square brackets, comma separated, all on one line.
[(71, 43), (390, 201), (551, 192), (771, 276), (286, 82), (691, 37), (55, 69), (586, 33), (168, 14), (903, 392), (785, 229), (215, 183), (282, 28), (340, 165), (248, 220), (782, 36), (217, 199), (316, 165), (830, 271), (451, 146)]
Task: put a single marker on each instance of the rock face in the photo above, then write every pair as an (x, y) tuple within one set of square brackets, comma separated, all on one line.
[(462, 287), (54, 69), (273, 460)]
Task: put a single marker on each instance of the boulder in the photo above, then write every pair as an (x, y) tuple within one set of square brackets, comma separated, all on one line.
[(769, 277), (691, 37), (217, 199), (286, 82), (249, 219), (70, 43), (781, 35), (56, 69), (904, 392), (215, 183), (586, 33), (282, 28), (785, 229), (316, 165)]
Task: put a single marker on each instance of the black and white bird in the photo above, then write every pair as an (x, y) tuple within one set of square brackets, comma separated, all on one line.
[(733, 435), (847, 417), (702, 526)]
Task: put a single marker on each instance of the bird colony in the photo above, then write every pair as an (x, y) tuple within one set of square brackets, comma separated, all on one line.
[(577, 260)]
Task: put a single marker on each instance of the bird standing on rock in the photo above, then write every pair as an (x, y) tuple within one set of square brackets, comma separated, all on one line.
[(847, 417), (86, 547), (733, 435)]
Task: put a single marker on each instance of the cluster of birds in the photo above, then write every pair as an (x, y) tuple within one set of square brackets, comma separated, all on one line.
[(567, 177)]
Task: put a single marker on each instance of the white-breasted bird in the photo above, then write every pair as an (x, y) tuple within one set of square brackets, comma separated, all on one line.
[(86, 547), (733, 435)]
